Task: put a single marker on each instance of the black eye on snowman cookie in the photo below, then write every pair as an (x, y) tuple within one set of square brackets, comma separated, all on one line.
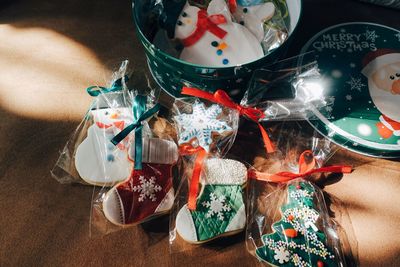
[(396, 76)]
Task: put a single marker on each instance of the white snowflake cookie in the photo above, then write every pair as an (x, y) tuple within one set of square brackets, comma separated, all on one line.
[(201, 125)]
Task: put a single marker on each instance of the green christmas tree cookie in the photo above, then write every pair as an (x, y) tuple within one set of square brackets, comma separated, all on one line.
[(296, 240)]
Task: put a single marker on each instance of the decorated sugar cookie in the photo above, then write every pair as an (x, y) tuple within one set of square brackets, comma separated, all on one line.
[(220, 208), (201, 125), (210, 37), (97, 160), (297, 238), (147, 192), (253, 14)]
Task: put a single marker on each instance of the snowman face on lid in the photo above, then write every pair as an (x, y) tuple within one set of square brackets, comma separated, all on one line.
[(186, 22), (388, 78)]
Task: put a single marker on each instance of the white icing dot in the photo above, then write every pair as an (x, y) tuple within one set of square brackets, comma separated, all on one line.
[(337, 74), (235, 92), (364, 129)]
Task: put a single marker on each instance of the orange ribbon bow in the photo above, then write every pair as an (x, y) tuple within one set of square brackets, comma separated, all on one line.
[(306, 167), (232, 6), (198, 165)]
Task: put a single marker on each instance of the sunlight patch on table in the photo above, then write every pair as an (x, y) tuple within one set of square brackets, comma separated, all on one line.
[(44, 74)]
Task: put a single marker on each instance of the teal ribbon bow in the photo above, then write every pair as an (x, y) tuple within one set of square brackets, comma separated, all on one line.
[(139, 114), (98, 90)]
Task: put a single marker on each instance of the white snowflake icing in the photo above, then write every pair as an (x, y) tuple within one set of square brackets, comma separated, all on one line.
[(201, 124), (281, 255), (398, 36), (371, 35), (328, 109), (216, 206), (355, 84), (147, 188), (349, 97)]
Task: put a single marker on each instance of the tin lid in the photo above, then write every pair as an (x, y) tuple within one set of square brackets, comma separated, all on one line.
[(360, 66)]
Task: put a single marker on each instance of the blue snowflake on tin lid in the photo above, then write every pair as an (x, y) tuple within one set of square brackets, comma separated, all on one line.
[(201, 125)]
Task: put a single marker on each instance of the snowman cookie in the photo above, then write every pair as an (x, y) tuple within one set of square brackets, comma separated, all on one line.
[(382, 69), (147, 192), (220, 207), (97, 160), (253, 14), (210, 38)]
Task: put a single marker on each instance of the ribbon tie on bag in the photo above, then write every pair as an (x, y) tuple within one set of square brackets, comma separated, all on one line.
[(232, 6), (307, 165), (139, 115), (222, 98), (205, 23), (116, 86), (201, 155)]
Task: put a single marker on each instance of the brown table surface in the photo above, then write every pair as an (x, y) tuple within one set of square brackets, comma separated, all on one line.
[(50, 50)]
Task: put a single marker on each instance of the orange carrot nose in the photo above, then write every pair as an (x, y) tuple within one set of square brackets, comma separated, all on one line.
[(396, 87), (114, 115)]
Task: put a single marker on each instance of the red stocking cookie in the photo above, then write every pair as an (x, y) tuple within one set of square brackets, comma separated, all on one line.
[(147, 192)]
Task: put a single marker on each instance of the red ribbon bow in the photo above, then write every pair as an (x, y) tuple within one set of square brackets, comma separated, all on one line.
[(206, 23), (198, 165), (232, 6), (222, 98), (306, 167)]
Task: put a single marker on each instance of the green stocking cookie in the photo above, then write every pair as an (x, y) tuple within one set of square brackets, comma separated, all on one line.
[(220, 208)]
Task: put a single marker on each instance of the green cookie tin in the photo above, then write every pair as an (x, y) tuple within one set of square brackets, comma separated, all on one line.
[(360, 67), (171, 73)]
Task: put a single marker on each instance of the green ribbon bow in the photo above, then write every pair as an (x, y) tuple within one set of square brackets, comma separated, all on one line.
[(139, 114), (116, 86)]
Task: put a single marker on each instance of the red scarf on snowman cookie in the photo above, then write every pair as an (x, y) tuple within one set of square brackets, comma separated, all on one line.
[(206, 23), (209, 23)]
